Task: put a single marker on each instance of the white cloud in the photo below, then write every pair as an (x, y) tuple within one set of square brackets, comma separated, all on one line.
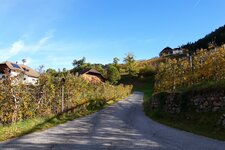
[(196, 3), (46, 38), (54, 62), (37, 45), (20, 46), (14, 49)]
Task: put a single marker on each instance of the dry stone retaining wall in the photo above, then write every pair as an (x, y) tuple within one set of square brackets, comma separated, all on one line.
[(199, 101), (203, 101)]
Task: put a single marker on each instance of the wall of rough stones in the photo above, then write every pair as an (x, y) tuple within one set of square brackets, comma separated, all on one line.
[(208, 101), (168, 102), (199, 101)]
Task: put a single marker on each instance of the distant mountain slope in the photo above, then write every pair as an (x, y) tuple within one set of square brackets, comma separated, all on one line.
[(215, 38)]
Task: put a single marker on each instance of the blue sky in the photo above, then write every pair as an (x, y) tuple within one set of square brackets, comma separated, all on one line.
[(55, 32)]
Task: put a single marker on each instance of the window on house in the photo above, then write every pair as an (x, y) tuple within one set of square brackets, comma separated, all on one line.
[(15, 65), (26, 69)]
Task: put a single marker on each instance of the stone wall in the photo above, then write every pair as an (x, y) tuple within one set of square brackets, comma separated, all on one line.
[(221, 121), (201, 101), (198, 101), (210, 101), (168, 102)]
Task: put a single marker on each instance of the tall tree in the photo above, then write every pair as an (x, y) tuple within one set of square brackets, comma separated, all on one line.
[(51, 71), (40, 69), (24, 61), (113, 74), (215, 38), (116, 63), (78, 63), (131, 65)]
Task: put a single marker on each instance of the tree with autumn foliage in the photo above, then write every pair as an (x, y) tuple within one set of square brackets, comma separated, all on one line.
[(202, 66)]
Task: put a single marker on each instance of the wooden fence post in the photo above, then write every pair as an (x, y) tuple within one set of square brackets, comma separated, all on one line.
[(63, 92), (62, 98)]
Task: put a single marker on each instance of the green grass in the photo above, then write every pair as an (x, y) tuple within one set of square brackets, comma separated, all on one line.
[(204, 123), (199, 123), (41, 123), (144, 84), (206, 86)]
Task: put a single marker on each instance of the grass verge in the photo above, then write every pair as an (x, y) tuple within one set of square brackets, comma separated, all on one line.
[(144, 84), (204, 123)]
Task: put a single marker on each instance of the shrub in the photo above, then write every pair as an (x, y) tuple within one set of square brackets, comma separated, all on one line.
[(147, 71), (20, 102), (113, 74)]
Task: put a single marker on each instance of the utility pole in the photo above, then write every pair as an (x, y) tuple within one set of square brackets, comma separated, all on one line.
[(191, 65), (191, 62)]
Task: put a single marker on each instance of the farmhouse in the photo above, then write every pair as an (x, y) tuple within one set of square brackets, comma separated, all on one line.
[(173, 52), (29, 75), (166, 52), (178, 51), (92, 75)]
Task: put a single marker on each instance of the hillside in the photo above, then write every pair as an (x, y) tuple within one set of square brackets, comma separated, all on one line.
[(215, 38)]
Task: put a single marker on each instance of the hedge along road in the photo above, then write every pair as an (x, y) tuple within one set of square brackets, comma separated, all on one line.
[(120, 126)]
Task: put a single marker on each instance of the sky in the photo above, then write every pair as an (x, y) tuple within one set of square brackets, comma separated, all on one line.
[(55, 32)]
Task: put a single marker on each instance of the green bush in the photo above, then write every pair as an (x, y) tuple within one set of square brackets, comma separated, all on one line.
[(147, 71), (113, 74)]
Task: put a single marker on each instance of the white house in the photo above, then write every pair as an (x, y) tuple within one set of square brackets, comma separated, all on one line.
[(178, 51), (28, 75)]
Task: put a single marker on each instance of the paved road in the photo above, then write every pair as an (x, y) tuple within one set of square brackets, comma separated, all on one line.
[(119, 127)]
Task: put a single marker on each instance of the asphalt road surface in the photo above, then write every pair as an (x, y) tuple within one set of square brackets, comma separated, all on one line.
[(118, 127)]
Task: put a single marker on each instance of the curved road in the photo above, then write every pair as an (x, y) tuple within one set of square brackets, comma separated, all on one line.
[(118, 127)]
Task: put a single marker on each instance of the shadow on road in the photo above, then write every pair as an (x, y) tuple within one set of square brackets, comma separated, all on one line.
[(110, 128)]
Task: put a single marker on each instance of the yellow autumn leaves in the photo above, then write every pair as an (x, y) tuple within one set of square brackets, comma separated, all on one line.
[(22, 102), (204, 65)]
